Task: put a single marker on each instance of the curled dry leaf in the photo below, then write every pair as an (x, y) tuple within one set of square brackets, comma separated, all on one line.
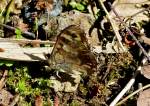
[(144, 98), (146, 71)]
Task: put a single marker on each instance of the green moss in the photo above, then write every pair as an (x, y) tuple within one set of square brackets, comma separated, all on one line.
[(75, 103)]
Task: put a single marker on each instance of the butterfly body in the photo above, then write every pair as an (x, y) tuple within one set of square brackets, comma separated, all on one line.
[(72, 52)]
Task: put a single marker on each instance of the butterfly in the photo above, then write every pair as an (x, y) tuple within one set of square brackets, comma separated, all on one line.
[(72, 52)]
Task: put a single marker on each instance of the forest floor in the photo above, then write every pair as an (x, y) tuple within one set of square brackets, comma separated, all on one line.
[(94, 54)]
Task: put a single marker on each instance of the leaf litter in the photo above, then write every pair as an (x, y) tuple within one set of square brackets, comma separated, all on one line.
[(34, 84)]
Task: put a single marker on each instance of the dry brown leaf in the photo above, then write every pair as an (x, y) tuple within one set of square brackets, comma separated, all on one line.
[(144, 98), (146, 71)]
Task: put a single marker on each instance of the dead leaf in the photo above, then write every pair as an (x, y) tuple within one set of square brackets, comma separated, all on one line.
[(144, 98), (146, 71)]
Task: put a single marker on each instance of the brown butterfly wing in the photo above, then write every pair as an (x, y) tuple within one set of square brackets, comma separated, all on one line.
[(72, 52)]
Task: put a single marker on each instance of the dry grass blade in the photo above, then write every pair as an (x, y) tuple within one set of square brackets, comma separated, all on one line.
[(26, 41)]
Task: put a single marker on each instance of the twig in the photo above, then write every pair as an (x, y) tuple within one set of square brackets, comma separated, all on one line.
[(29, 34), (25, 41), (129, 84), (2, 81), (114, 26), (135, 92), (130, 33)]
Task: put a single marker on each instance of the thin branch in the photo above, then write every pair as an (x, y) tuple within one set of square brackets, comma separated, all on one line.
[(3, 79), (25, 41), (29, 34), (130, 32)]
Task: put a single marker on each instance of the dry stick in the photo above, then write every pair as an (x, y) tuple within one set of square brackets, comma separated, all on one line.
[(130, 33), (129, 84), (114, 26), (29, 34), (26, 41), (3, 79), (135, 92)]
